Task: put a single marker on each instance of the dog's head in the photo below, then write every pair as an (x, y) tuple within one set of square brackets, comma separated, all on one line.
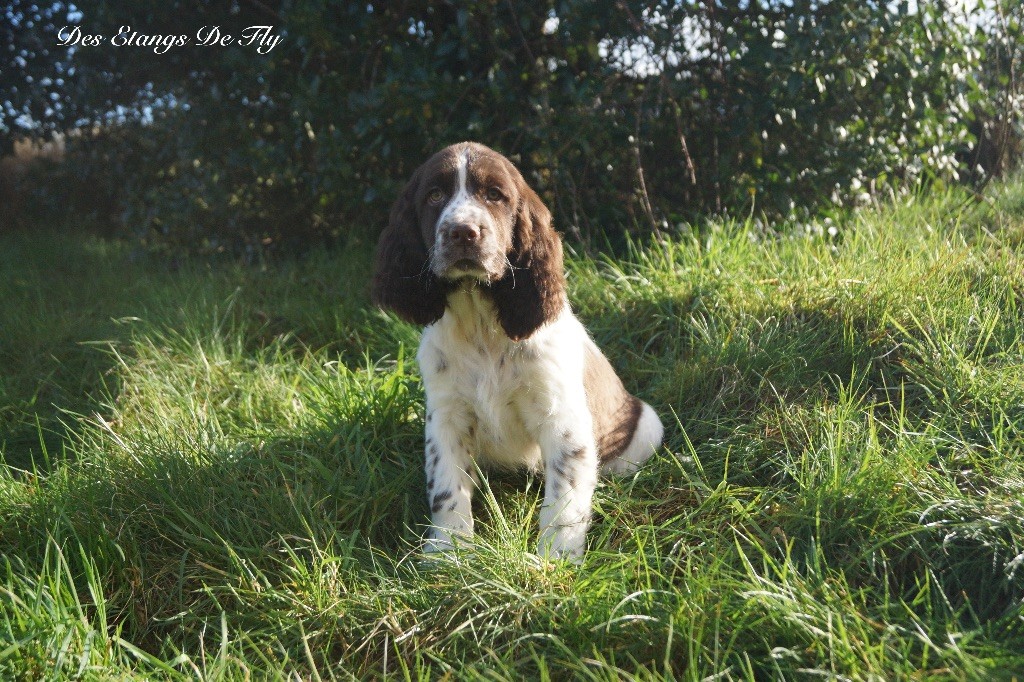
[(467, 214)]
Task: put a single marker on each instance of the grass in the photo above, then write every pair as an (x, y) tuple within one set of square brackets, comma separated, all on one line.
[(214, 471)]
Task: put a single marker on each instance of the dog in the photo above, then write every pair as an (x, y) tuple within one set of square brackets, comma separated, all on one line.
[(512, 378)]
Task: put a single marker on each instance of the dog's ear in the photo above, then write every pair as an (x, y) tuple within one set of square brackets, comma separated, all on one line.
[(402, 280), (532, 293)]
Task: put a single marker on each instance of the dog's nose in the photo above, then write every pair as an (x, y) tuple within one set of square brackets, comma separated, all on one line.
[(464, 232)]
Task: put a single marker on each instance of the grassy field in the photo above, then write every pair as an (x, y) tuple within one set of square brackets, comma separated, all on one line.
[(214, 471)]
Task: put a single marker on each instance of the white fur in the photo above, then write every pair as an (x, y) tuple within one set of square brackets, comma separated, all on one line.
[(500, 402), (462, 204)]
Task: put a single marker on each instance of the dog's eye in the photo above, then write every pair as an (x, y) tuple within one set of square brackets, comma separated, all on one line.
[(435, 196), (494, 194)]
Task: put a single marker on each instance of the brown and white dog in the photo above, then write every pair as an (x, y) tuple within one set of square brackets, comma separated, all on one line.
[(511, 376)]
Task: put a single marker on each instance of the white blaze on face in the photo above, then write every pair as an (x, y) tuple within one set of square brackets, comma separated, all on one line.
[(461, 198), (463, 207)]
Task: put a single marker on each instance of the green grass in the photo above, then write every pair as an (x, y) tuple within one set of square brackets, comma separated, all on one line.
[(213, 471)]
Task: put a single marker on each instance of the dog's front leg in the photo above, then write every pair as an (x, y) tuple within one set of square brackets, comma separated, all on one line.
[(450, 476), (570, 473)]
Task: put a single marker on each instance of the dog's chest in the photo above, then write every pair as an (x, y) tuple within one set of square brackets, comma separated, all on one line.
[(478, 372), (493, 382)]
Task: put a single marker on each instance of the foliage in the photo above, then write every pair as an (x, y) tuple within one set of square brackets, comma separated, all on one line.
[(214, 471), (999, 126), (625, 115), (30, 81)]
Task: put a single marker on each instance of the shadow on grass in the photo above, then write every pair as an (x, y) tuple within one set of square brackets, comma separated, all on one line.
[(58, 300), (67, 299)]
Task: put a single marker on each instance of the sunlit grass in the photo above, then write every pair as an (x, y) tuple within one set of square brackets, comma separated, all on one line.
[(214, 470)]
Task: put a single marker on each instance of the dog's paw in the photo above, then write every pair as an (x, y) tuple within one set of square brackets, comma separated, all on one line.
[(437, 546), (562, 547), (439, 543)]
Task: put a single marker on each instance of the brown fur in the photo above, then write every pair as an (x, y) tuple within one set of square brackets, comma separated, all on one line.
[(615, 411), (401, 281), (533, 292)]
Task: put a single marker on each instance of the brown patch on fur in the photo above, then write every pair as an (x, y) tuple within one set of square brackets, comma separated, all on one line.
[(616, 412), (402, 282), (439, 500), (533, 292)]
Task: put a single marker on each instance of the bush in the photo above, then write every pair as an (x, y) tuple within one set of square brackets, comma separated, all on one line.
[(627, 116)]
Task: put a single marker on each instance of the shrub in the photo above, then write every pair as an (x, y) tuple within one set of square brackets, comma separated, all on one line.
[(627, 116)]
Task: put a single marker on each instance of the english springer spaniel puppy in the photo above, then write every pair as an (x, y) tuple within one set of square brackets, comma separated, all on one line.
[(511, 376)]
